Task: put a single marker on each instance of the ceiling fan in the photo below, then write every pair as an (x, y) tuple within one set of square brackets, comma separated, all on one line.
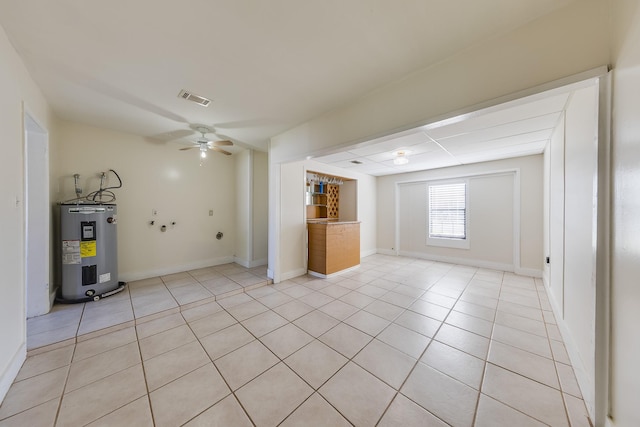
[(205, 144)]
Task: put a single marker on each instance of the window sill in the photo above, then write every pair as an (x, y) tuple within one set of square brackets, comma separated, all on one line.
[(448, 243)]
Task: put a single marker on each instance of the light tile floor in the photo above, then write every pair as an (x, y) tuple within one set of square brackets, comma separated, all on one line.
[(142, 299), (398, 341)]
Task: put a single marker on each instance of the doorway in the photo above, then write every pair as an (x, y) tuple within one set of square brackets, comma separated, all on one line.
[(37, 227)]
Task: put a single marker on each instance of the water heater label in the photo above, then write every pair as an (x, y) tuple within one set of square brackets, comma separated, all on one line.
[(71, 252), (104, 277), (88, 249)]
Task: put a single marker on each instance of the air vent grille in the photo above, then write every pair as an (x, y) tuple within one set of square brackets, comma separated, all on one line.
[(200, 100)]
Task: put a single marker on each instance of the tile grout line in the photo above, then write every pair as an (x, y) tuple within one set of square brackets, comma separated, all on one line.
[(486, 359), (69, 366), (280, 360), (141, 363), (418, 360), (232, 392), (66, 380), (144, 374), (296, 373), (113, 373), (353, 357), (275, 355), (359, 309), (515, 373), (555, 363)]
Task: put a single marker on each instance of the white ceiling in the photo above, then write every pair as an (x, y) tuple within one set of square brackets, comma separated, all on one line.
[(267, 65), (514, 129)]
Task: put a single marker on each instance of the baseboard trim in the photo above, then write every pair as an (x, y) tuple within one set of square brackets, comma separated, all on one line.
[(459, 261), (293, 273), (250, 264), (258, 262), (243, 262), (531, 272), (139, 275), (368, 252), (12, 370), (386, 252), (337, 273), (584, 382)]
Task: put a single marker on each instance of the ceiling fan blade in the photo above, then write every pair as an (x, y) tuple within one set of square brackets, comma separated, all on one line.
[(188, 148), (224, 143), (220, 150)]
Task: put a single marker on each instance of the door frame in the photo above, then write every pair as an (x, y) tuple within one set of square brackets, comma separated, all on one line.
[(33, 128)]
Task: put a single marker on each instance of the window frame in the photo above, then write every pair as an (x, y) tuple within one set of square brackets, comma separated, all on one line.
[(443, 241)]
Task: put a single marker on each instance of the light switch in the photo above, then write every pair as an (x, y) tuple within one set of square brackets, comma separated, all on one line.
[(210, 212)]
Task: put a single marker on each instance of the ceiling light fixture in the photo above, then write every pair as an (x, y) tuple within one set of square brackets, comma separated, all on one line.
[(401, 158), (203, 151)]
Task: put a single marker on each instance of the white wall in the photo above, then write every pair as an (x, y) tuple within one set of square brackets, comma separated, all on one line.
[(625, 260), (546, 166), (572, 218), (348, 211), (288, 258), (580, 216), (19, 92), (244, 209), (563, 43), (251, 208), (566, 42), (260, 208), (292, 254), (485, 250), (490, 213), (156, 176), (367, 213), (554, 214), (37, 227)]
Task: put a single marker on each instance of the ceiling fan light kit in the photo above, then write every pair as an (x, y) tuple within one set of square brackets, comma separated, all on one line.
[(204, 144)]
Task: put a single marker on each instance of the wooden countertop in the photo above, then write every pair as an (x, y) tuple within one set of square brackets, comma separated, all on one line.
[(330, 221)]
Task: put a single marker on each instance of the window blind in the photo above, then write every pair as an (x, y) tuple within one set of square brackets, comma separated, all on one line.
[(448, 211)]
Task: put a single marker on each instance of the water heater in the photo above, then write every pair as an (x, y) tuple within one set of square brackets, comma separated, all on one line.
[(89, 250)]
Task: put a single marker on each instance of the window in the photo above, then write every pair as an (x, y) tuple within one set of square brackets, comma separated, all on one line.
[(447, 213)]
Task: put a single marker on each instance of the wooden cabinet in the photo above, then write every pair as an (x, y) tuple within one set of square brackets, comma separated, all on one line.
[(333, 246)]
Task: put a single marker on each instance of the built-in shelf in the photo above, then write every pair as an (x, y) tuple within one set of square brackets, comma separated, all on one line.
[(322, 200)]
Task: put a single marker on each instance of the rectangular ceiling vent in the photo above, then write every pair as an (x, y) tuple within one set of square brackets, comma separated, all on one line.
[(200, 100)]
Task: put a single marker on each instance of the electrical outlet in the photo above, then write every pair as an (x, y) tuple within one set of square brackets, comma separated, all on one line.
[(210, 212)]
